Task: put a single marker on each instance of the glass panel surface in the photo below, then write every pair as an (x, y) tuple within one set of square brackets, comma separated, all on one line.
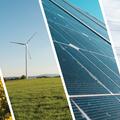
[(86, 60)]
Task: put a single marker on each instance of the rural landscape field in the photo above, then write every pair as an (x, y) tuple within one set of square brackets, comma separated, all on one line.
[(4, 109), (38, 99)]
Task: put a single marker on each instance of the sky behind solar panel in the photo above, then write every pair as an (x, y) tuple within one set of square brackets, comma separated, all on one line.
[(91, 6)]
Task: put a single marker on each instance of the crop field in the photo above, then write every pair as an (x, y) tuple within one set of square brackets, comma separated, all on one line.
[(38, 99), (4, 109)]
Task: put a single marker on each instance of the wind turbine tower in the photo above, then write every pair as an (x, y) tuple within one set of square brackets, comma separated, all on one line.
[(26, 52)]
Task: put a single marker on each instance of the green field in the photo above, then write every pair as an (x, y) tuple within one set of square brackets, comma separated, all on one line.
[(38, 99)]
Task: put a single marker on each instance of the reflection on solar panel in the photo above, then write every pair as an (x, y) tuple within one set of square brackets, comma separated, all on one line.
[(87, 61)]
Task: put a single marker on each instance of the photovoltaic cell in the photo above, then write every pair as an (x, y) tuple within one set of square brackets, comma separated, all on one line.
[(99, 108), (78, 115), (82, 16), (86, 60)]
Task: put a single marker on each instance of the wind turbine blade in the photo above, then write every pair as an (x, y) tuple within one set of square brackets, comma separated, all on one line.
[(31, 38), (17, 43)]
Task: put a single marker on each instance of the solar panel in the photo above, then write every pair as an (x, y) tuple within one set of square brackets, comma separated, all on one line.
[(81, 16), (86, 60), (99, 108)]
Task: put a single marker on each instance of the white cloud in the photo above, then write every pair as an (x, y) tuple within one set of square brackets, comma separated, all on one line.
[(112, 15), (112, 9)]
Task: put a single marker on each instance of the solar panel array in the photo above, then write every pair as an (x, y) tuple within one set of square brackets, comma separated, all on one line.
[(86, 60)]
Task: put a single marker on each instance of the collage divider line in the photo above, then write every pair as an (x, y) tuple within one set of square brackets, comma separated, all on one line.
[(6, 95), (56, 59), (55, 55), (110, 36)]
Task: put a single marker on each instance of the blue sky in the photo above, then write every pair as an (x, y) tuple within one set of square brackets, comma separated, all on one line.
[(91, 6), (19, 19)]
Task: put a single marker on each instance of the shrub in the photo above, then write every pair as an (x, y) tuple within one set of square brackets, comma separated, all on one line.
[(23, 77)]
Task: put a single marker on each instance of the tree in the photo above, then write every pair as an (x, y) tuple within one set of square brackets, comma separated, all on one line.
[(23, 77)]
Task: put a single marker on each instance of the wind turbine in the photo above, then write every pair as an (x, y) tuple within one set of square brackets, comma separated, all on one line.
[(26, 52)]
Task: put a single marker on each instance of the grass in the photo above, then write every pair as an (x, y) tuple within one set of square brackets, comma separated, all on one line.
[(38, 99)]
